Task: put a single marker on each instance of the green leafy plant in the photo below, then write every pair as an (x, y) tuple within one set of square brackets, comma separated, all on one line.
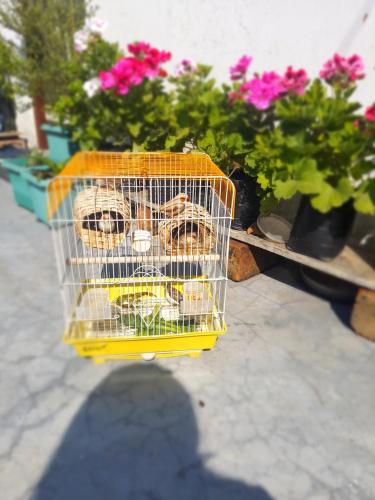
[(88, 117), (198, 106), (97, 115), (37, 158), (44, 33), (6, 71), (206, 117), (229, 143), (322, 147)]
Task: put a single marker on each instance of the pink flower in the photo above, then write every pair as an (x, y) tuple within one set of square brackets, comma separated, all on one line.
[(145, 62), (342, 70), (262, 91), (295, 81), (129, 71), (370, 113), (122, 88), (185, 67), (144, 51), (107, 80), (138, 47), (239, 70), (356, 67)]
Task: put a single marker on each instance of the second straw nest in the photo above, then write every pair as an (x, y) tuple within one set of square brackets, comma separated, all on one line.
[(191, 231)]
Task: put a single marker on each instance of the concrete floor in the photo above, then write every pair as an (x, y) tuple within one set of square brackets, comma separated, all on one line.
[(283, 408)]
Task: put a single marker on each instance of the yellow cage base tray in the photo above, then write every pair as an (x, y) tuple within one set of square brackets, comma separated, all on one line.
[(134, 357), (139, 345), (89, 343)]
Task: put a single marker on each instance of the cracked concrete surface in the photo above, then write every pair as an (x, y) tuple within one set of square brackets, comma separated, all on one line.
[(283, 408)]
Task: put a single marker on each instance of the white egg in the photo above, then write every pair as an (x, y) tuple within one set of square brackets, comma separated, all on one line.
[(148, 356)]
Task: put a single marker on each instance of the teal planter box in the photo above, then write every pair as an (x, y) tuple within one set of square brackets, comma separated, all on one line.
[(38, 192), (60, 145), (15, 168)]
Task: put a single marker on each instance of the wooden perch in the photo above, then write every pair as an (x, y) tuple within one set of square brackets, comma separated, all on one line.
[(143, 259)]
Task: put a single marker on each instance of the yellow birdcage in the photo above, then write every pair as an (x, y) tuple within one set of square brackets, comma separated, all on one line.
[(141, 243)]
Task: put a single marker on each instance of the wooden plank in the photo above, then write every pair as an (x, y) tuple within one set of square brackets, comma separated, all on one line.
[(12, 138), (13, 142), (349, 265), (245, 261), (9, 133)]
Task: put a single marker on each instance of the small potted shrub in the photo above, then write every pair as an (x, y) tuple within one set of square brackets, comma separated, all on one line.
[(228, 144), (117, 99), (228, 151), (223, 122), (40, 169), (208, 118), (253, 103), (324, 149)]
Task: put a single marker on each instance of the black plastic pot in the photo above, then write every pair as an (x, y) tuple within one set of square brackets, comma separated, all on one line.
[(318, 235), (246, 209), (111, 145)]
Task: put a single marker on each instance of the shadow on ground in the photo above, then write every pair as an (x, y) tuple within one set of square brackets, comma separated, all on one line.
[(290, 274), (134, 438)]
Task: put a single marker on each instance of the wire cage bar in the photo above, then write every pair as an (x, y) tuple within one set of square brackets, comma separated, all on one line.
[(141, 242)]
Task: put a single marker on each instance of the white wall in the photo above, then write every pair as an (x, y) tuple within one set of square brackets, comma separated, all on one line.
[(26, 125), (277, 33)]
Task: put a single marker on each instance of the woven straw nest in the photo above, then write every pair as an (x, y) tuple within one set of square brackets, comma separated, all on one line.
[(89, 207), (190, 232)]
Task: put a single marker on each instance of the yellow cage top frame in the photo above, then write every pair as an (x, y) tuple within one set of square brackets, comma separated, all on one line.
[(140, 165)]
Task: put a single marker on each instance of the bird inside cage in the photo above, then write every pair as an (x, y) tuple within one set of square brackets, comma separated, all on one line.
[(175, 206), (106, 222)]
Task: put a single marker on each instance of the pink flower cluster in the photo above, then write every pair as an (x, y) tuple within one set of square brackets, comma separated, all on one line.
[(342, 70), (370, 113), (145, 62), (295, 81), (262, 90), (239, 70)]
